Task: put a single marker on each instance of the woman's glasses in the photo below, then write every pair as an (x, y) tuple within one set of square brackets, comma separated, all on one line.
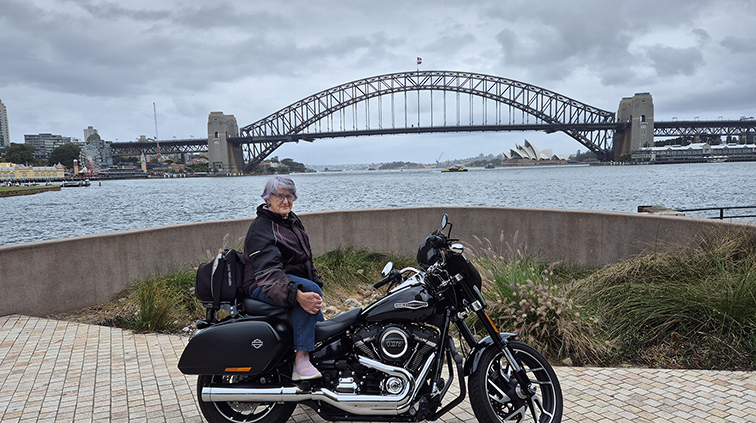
[(281, 198)]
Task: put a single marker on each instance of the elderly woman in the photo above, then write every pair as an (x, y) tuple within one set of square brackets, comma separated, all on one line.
[(281, 271)]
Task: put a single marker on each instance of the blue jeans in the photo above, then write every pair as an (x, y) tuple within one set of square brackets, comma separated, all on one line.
[(303, 323)]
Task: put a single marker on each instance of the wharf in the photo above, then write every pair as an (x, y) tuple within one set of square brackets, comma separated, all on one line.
[(54, 370), (14, 191)]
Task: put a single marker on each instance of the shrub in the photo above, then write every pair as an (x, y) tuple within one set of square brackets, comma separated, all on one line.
[(522, 299), (349, 270), (164, 302), (689, 307)]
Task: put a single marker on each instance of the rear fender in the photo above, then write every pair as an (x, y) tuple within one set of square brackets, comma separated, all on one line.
[(471, 365), (250, 345)]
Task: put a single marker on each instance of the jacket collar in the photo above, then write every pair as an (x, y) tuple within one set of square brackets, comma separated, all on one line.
[(262, 210)]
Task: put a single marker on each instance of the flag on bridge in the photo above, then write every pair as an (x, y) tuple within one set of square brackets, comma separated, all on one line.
[(419, 60)]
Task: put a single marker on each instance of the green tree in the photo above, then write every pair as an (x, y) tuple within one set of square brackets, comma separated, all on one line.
[(294, 166), (19, 153), (198, 167), (65, 155)]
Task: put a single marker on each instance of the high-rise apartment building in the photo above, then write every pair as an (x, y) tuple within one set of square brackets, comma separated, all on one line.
[(4, 131), (89, 132), (44, 144)]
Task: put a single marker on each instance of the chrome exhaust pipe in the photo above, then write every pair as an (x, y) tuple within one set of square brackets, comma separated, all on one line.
[(281, 394), (351, 403)]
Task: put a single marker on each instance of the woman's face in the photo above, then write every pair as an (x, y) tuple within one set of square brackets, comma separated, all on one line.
[(281, 202)]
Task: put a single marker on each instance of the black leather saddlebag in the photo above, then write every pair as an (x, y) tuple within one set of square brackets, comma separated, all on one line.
[(244, 346)]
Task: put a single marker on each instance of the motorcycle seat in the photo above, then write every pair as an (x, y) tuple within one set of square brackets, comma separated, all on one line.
[(261, 308), (334, 325)]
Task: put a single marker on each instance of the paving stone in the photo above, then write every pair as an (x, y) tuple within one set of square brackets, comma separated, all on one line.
[(64, 371)]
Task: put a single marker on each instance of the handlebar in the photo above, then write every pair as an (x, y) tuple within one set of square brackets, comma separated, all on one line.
[(390, 278)]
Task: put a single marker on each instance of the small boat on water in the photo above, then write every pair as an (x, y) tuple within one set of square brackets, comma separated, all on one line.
[(70, 184), (490, 166), (455, 168)]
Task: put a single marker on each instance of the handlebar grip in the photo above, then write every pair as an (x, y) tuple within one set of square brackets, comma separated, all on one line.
[(382, 282), (392, 276)]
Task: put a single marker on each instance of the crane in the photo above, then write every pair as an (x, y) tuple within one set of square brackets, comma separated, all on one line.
[(157, 143)]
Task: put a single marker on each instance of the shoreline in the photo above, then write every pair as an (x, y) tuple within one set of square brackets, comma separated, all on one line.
[(16, 191)]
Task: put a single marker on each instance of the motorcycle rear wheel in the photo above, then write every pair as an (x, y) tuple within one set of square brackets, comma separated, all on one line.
[(240, 412), (494, 389)]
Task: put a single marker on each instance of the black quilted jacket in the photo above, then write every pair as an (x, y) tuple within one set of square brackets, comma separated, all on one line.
[(275, 247)]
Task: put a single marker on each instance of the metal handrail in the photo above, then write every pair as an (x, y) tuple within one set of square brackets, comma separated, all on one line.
[(721, 211)]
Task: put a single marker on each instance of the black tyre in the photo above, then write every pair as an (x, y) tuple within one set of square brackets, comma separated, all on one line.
[(494, 389), (240, 412)]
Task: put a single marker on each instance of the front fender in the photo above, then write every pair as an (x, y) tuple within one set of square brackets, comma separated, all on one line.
[(471, 364)]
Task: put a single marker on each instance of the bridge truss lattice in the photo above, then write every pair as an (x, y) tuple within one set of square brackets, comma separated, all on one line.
[(464, 102)]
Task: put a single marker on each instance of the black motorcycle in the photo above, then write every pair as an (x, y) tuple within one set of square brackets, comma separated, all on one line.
[(394, 360)]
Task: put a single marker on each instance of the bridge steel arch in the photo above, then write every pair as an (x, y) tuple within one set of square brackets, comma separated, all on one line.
[(305, 118)]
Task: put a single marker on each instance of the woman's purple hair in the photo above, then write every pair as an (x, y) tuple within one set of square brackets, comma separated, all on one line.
[(276, 182)]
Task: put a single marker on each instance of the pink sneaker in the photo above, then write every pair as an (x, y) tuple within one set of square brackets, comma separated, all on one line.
[(304, 370)]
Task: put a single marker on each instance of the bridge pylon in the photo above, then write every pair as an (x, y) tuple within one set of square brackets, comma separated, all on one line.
[(638, 112), (223, 157)]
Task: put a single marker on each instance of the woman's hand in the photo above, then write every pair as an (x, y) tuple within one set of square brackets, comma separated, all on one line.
[(311, 302)]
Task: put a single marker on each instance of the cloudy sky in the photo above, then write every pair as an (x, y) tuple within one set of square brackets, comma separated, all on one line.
[(69, 64)]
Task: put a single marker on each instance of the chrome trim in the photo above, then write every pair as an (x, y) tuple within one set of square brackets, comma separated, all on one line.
[(351, 403)]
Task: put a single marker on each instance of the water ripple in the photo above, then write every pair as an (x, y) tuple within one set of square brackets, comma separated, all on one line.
[(119, 205)]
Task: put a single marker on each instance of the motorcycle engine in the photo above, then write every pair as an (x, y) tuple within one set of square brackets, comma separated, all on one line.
[(403, 345)]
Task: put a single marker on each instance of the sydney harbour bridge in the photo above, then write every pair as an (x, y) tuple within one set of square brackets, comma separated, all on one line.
[(421, 102)]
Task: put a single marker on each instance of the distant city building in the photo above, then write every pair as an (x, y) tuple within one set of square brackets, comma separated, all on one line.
[(96, 153), (89, 132), (44, 144), (4, 131), (695, 153), (19, 172)]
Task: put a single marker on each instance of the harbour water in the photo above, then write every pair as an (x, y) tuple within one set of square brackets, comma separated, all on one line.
[(129, 204)]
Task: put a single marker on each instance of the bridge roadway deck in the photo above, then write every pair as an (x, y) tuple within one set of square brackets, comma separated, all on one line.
[(64, 371)]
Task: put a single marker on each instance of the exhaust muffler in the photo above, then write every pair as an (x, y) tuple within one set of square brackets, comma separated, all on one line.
[(351, 403)]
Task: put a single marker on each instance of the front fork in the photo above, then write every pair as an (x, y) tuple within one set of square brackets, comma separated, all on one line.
[(525, 389)]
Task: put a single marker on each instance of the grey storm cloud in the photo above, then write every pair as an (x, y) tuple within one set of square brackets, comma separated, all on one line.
[(669, 61), (108, 60), (739, 44)]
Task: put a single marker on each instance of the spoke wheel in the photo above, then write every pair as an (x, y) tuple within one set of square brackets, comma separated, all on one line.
[(496, 397), (240, 412)]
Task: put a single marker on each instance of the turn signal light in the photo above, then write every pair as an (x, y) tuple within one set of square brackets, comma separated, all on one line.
[(238, 369)]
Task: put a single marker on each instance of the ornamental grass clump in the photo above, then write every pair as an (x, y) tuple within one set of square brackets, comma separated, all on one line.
[(348, 270), (164, 302), (523, 300), (691, 307)]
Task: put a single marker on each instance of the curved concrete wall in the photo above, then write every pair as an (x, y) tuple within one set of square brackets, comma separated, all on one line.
[(41, 278)]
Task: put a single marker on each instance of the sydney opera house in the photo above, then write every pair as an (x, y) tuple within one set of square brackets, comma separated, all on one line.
[(530, 152)]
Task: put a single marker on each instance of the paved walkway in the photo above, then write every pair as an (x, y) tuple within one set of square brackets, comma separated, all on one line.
[(62, 371)]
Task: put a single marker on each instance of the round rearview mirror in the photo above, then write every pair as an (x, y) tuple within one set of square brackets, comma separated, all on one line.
[(444, 221), (386, 269)]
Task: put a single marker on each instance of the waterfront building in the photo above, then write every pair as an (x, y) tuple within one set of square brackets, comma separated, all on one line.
[(4, 131), (530, 152), (20, 172), (44, 144), (695, 153)]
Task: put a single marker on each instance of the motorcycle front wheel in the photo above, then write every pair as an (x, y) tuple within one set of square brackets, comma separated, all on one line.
[(240, 412), (496, 397)]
